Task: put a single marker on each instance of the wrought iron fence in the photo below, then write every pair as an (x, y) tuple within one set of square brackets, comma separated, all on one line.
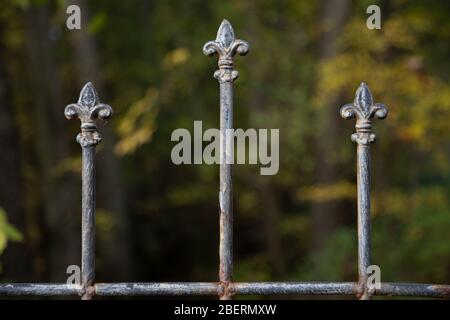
[(88, 109)]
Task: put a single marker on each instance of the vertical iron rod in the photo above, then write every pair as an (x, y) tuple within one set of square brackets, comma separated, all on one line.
[(363, 182), (88, 109), (88, 218), (226, 188), (226, 46), (364, 110)]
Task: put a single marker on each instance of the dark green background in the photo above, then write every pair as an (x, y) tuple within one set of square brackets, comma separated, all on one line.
[(159, 222)]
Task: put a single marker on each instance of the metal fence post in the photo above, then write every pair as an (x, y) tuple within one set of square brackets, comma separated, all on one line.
[(88, 110), (364, 109), (226, 46)]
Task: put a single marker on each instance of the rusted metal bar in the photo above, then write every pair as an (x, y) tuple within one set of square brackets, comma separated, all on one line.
[(294, 288), (226, 46), (40, 289), (340, 288), (212, 288), (414, 290), (153, 289), (364, 109), (205, 288), (88, 109)]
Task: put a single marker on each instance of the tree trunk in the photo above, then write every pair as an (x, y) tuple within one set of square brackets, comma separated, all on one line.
[(270, 205), (325, 215), (17, 259), (114, 248), (271, 211), (60, 192)]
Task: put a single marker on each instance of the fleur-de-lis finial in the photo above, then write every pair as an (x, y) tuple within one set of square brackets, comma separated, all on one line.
[(88, 109), (226, 46), (364, 109)]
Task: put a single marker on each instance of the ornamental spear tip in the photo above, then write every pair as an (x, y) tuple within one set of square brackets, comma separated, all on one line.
[(364, 110), (88, 109), (226, 46)]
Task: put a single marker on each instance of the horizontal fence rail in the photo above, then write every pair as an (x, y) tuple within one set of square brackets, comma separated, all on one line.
[(88, 110), (214, 289)]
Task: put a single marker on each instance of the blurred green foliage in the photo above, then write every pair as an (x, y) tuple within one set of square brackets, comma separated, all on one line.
[(7, 232)]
